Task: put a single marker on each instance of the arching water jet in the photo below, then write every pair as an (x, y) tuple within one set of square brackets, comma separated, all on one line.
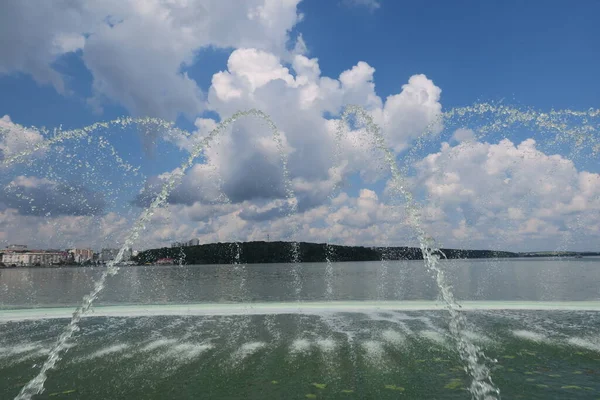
[(482, 386), (36, 385)]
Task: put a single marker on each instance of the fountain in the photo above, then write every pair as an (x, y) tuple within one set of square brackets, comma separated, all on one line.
[(465, 343)]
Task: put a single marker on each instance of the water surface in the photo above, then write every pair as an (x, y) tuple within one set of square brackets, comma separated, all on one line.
[(531, 279), (381, 338)]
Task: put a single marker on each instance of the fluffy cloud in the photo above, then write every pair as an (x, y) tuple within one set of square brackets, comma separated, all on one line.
[(500, 195), (137, 50), (511, 194), (503, 194), (297, 98), (41, 196), (361, 220), (247, 162), (64, 231), (200, 184), (39, 34), (15, 138)]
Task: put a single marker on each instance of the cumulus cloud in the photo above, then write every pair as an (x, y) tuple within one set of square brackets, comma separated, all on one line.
[(41, 196), (340, 222), (509, 192), (39, 34), (499, 195), (297, 98), (137, 51), (200, 184), (474, 193), (63, 231), (15, 138), (247, 162)]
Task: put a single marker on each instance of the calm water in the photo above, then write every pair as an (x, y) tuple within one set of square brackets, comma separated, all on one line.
[(340, 352), (506, 280)]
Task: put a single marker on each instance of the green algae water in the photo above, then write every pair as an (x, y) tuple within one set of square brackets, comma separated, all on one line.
[(373, 354), (181, 332)]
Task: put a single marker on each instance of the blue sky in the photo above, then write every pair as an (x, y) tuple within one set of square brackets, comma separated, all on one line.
[(543, 54), (540, 54)]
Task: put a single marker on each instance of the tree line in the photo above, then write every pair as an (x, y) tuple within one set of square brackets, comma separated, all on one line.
[(282, 252)]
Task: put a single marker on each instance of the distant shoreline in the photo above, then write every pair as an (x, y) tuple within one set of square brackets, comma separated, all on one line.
[(261, 252)]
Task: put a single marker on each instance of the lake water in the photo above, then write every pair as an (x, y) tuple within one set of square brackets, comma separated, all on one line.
[(530, 279), (227, 332)]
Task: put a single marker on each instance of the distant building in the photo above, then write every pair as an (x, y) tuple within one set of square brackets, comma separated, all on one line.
[(191, 242), (33, 258), (82, 255), (127, 254), (16, 247), (108, 254), (165, 261)]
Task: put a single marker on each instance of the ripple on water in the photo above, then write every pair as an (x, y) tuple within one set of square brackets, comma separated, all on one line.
[(188, 351), (326, 345), (22, 352), (479, 338), (247, 349), (116, 348), (374, 352), (156, 344), (19, 349), (530, 335), (393, 337), (300, 346), (434, 336), (588, 343)]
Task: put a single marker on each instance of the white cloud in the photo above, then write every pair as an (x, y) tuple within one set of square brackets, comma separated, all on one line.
[(40, 196), (62, 231), (297, 100), (463, 135), (501, 195), (248, 165), (15, 138), (509, 195), (137, 50), (412, 112), (358, 220), (546, 204), (38, 35)]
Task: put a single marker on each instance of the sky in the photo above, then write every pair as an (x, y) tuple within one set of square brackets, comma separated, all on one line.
[(479, 180)]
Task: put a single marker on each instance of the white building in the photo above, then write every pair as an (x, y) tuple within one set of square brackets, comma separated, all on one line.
[(16, 247), (108, 254), (82, 255), (33, 258), (191, 242)]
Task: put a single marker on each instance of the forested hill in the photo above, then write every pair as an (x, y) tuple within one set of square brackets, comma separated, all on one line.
[(281, 252)]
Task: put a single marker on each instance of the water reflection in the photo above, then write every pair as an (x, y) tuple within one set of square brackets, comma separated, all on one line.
[(518, 280)]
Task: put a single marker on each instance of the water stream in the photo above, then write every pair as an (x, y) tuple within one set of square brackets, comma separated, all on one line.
[(577, 128), (36, 385)]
